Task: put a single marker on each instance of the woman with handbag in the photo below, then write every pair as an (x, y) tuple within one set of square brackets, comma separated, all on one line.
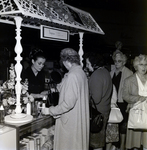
[(135, 90), (119, 72), (100, 87)]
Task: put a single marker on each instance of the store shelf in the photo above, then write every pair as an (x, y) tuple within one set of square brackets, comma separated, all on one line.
[(42, 128)]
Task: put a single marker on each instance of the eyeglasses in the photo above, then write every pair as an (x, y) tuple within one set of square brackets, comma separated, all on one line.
[(118, 61)]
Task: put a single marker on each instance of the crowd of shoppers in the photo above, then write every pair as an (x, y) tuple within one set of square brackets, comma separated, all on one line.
[(117, 86)]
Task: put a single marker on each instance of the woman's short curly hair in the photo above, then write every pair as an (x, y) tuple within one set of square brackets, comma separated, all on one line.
[(123, 56), (138, 59), (69, 54)]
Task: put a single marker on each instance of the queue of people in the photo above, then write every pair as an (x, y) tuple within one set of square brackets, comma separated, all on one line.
[(100, 84)]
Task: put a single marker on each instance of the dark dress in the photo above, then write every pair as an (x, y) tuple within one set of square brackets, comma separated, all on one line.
[(36, 83)]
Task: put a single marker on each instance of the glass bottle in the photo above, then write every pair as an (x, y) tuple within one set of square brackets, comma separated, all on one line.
[(44, 103), (29, 108), (47, 145), (38, 144), (2, 115), (35, 109)]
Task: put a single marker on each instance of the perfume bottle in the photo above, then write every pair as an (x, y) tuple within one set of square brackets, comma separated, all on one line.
[(2, 115), (29, 108), (38, 144), (44, 103), (35, 109)]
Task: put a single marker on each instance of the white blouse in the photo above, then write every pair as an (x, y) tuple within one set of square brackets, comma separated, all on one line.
[(142, 88)]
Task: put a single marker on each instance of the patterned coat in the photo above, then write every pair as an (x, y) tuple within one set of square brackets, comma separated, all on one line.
[(72, 124)]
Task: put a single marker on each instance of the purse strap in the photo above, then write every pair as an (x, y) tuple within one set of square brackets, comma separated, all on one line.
[(94, 103)]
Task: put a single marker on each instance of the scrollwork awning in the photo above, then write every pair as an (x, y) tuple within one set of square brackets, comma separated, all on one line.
[(48, 12)]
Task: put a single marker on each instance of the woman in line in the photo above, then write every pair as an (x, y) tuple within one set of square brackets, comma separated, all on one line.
[(135, 89), (72, 111), (100, 88), (119, 73), (35, 75)]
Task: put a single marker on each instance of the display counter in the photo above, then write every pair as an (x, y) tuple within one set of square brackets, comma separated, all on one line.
[(28, 136)]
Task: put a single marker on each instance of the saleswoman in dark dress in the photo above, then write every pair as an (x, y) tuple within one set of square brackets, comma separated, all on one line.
[(35, 74)]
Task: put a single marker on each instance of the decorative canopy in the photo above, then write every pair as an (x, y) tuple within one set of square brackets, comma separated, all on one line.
[(53, 13)]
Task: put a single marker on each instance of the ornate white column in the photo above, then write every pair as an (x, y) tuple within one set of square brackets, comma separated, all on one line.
[(18, 66), (18, 117), (81, 47)]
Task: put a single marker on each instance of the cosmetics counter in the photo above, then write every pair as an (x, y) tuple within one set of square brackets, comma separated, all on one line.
[(35, 135)]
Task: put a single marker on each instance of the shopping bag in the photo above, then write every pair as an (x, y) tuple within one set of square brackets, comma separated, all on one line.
[(138, 116), (115, 115)]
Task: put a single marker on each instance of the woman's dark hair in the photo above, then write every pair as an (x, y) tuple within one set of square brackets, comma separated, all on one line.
[(95, 59), (36, 53), (69, 54)]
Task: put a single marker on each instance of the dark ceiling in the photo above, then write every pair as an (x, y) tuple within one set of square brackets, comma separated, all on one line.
[(115, 5), (121, 20)]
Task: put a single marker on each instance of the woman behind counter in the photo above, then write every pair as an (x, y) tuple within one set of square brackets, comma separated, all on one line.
[(35, 74), (135, 89)]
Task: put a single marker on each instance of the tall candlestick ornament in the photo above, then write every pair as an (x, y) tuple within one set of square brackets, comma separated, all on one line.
[(18, 66), (18, 117), (81, 48)]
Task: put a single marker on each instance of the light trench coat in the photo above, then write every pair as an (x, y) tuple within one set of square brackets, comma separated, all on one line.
[(72, 126)]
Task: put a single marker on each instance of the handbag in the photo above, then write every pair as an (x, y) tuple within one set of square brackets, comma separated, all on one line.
[(138, 116), (115, 115), (53, 97), (96, 119)]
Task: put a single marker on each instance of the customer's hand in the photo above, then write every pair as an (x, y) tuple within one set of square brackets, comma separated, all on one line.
[(44, 93), (45, 111)]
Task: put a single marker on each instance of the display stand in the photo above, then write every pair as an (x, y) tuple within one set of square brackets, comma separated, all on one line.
[(34, 14)]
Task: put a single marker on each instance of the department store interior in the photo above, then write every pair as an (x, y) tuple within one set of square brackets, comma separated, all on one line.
[(117, 20)]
